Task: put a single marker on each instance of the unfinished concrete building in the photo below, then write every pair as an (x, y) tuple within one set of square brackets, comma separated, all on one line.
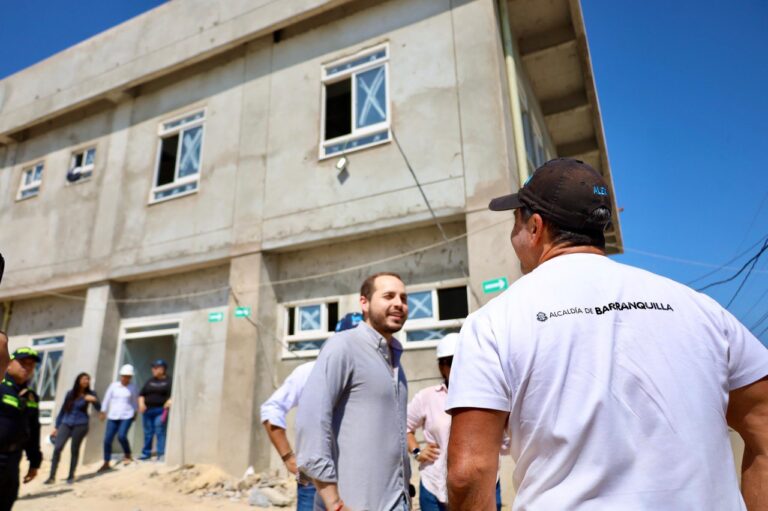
[(210, 183)]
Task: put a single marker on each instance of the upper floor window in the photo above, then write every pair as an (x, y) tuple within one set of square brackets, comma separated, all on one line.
[(178, 157), (45, 381), (81, 165), (534, 141), (31, 180), (309, 324), (356, 102), (434, 312)]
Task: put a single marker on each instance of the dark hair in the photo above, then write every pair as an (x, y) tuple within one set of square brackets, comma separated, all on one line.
[(73, 394), (369, 284), (574, 237)]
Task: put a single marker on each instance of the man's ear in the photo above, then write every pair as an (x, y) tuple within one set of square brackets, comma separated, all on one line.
[(536, 226), (364, 305)]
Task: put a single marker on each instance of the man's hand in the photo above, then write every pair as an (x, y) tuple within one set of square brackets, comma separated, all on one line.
[(31, 474), (473, 458), (102, 416), (748, 415), (429, 453)]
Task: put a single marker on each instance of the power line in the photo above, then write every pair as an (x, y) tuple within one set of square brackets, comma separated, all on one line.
[(432, 211), (724, 265), (746, 277), (753, 258)]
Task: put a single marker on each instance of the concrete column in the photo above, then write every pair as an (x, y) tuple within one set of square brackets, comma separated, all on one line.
[(94, 353), (249, 370), (488, 148)]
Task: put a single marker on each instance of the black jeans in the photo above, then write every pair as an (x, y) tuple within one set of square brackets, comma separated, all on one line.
[(64, 433), (9, 479)]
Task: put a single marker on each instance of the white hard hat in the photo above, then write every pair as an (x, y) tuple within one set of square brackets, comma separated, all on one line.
[(126, 370), (447, 345)]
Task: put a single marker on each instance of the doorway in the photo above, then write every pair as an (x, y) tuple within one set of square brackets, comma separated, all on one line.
[(140, 347)]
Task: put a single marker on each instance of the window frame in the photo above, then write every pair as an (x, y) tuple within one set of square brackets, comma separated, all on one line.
[(433, 323), (34, 184), (84, 168), (162, 133), (309, 335), (42, 350), (356, 133)]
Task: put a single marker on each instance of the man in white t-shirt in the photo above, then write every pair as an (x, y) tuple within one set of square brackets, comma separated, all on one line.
[(616, 385)]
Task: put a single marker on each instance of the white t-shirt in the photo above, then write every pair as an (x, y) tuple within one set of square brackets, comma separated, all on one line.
[(287, 396), (617, 385), (120, 401)]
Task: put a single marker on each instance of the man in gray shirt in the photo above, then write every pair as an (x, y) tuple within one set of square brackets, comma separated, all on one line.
[(350, 425)]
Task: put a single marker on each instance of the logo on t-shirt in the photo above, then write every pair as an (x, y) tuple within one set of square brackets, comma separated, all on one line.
[(603, 309)]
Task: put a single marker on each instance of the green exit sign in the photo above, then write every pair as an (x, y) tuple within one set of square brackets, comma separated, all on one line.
[(215, 317), (495, 285), (242, 312)]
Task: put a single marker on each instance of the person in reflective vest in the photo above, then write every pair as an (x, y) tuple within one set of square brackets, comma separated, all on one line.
[(19, 425)]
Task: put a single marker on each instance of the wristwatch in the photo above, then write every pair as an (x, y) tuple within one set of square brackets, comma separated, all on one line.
[(415, 453)]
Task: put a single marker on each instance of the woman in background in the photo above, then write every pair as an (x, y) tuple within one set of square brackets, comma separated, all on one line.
[(119, 408), (72, 422)]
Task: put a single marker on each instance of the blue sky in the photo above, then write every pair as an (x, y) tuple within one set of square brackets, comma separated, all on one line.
[(682, 88)]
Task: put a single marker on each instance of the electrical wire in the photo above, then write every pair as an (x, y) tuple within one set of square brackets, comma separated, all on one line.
[(732, 277), (432, 211), (724, 266), (746, 277)]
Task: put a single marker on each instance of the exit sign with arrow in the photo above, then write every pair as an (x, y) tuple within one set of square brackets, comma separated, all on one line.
[(495, 285)]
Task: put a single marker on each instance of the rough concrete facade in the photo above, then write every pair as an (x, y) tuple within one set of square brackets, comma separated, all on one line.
[(268, 208)]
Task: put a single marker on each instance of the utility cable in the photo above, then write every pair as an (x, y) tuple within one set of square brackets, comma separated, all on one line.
[(724, 266), (432, 212), (732, 277), (746, 277)]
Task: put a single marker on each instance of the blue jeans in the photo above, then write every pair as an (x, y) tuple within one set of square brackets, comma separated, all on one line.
[(305, 497), (428, 502), (153, 425), (119, 428)]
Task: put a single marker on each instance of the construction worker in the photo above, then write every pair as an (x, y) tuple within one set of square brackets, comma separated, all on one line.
[(19, 425)]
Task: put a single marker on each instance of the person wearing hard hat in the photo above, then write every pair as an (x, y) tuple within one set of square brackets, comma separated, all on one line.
[(19, 425), (119, 409), (427, 411)]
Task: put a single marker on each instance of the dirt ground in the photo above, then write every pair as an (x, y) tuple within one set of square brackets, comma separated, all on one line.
[(140, 486)]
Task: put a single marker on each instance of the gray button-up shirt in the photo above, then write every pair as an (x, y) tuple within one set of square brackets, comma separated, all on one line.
[(350, 426)]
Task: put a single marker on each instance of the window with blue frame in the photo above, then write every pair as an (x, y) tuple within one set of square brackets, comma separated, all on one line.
[(309, 324), (31, 181), (355, 102), (179, 156), (45, 381), (435, 312)]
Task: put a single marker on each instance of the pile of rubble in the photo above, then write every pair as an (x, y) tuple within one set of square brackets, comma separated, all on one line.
[(260, 490)]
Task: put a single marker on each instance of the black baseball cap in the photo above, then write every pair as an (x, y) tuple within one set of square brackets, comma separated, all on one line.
[(565, 191), (160, 363)]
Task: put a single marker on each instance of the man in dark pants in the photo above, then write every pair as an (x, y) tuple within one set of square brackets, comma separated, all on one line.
[(19, 425)]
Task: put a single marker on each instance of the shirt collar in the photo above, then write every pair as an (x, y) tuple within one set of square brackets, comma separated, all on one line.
[(12, 383), (376, 340), (441, 388)]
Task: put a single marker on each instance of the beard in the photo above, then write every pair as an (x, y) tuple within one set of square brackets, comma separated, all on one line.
[(383, 323)]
